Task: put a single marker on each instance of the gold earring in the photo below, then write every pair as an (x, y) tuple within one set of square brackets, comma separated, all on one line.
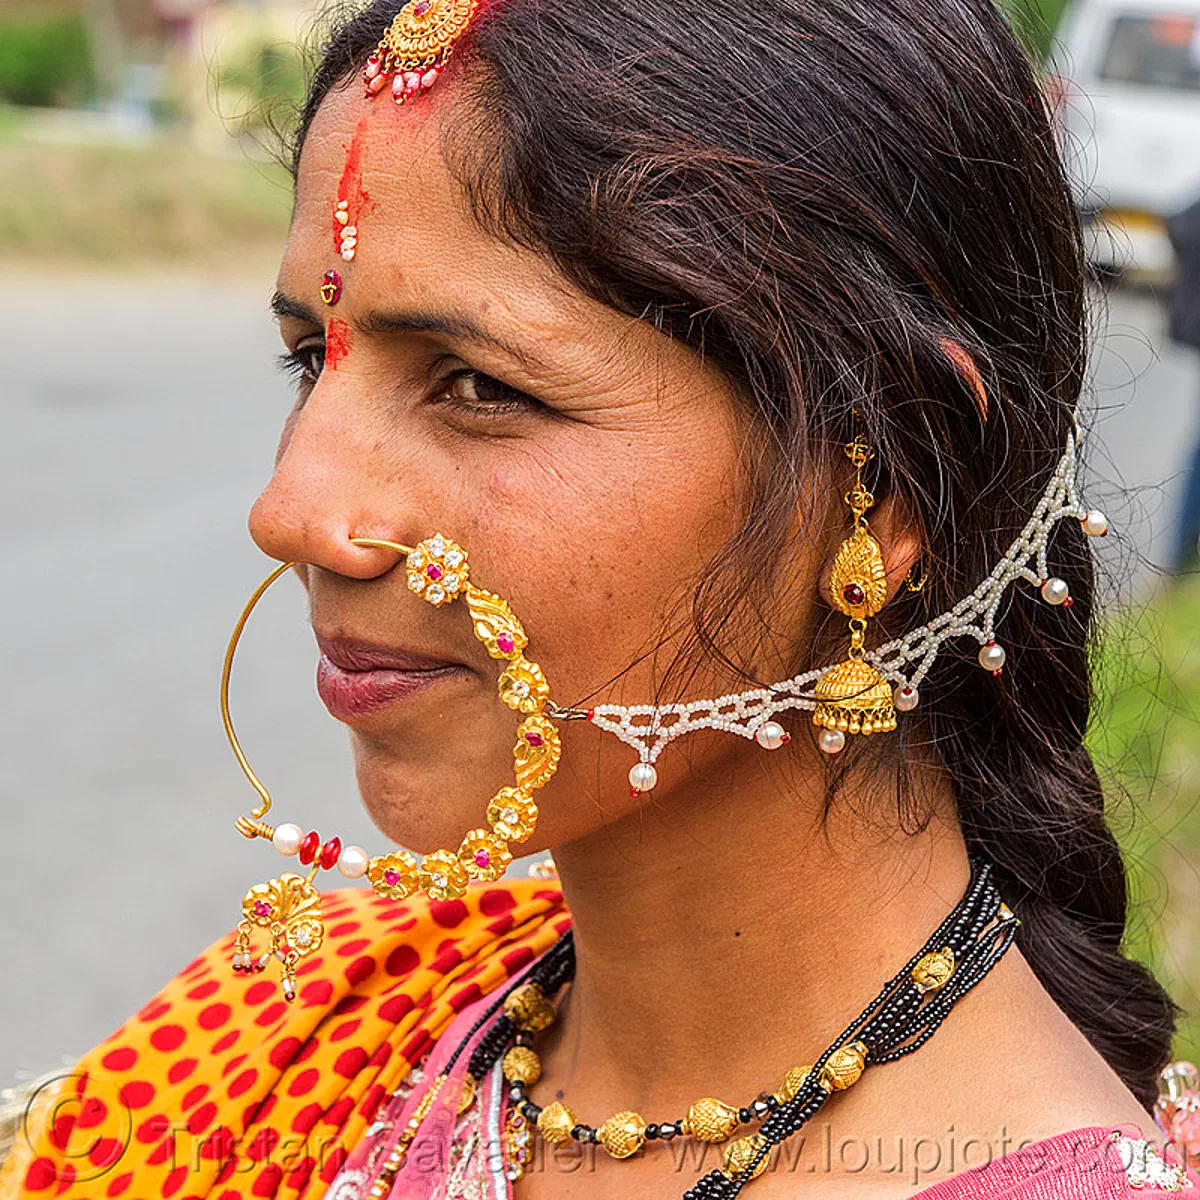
[(918, 584), (854, 697)]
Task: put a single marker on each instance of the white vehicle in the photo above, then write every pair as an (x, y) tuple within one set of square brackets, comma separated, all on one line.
[(1128, 89)]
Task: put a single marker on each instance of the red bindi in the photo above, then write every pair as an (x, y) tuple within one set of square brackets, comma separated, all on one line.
[(337, 343)]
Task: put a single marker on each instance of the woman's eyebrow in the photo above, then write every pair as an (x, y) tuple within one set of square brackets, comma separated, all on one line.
[(449, 324), (285, 306)]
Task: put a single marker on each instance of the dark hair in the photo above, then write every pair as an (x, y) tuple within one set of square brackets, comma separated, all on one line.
[(816, 195)]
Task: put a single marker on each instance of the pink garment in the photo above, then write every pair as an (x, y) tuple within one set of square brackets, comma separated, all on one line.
[(465, 1157)]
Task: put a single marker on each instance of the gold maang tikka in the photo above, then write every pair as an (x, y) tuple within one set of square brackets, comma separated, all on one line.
[(288, 909), (854, 697)]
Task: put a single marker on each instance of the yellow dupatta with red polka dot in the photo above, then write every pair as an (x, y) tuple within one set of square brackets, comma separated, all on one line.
[(220, 1089)]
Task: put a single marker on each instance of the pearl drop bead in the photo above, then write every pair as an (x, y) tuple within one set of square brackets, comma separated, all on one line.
[(287, 839), (906, 698), (1055, 591), (771, 736), (1095, 524), (353, 862), (991, 657), (643, 777), (832, 741)]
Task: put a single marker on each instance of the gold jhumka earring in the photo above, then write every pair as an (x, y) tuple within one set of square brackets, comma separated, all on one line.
[(854, 697), (288, 909)]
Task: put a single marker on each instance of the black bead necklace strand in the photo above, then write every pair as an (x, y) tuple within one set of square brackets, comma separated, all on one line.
[(902, 1017), (898, 1021)]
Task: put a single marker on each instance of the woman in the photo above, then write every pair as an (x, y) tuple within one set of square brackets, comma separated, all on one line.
[(700, 328)]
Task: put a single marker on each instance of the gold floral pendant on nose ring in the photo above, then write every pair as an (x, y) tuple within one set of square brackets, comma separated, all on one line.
[(288, 909)]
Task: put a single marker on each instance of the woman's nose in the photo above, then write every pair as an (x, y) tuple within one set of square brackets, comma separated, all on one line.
[(324, 492)]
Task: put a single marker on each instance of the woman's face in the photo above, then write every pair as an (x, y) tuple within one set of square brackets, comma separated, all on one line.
[(587, 463)]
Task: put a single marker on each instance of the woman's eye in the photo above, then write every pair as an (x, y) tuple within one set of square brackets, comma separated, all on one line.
[(304, 364), (480, 393)]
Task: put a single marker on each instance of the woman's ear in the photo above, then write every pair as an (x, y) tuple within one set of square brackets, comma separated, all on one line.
[(899, 539)]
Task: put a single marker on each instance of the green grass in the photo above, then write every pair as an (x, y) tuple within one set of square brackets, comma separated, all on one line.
[(77, 205), (1147, 742)]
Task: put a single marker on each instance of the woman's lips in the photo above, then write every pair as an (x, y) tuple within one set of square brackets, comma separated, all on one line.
[(357, 679)]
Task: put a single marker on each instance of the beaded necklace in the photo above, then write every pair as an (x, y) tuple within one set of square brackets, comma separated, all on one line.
[(908, 1010)]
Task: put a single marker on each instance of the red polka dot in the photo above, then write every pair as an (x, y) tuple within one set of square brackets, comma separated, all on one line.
[(449, 914), (263, 1144), (316, 992), (284, 1051), (344, 1030), (94, 1112), (243, 1083), (370, 1101), (496, 901), (154, 1010), (202, 1118), (414, 1049), (260, 992), (402, 960), (562, 925), (218, 1145), (195, 965), (180, 1070), (231, 1165), (106, 1152), (174, 1181), (349, 1004), (152, 1128), (350, 1062), (298, 1179), (306, 1118), (41, 1175), (120, 1059), (515, 960), (501, 924), (119, 1185), (66, 1177), (334, 1163), (203, 990), (60, 1131), (195, 1095), (259, 1111), (353, 947), (404, 926), (271, 1013), (345, 929), (161, 1152), (232, 1065), (447, 958), (304, 1082), (309, 966), (268, 1181), (226, 1041), (549, 895), (168, 1037), (214, 1016), (307, 1050), (395, 1008), (137, 1094), (465, 996), (340, 1112), (380, 1057), (360, 969)]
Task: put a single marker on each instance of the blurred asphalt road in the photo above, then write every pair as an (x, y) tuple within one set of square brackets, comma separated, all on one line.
[(139, 421)]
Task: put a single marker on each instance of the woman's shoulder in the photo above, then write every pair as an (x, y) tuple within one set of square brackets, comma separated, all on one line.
[(218, 1073), (1093, 1163)]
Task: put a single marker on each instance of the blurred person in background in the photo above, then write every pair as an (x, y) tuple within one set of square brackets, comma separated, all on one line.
[(1183, 313), (734, 345)]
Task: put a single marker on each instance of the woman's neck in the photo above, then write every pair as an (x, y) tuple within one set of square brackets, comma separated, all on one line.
[(730, 930)]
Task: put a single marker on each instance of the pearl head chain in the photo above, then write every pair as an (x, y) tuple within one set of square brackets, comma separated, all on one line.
[(904, 661)]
